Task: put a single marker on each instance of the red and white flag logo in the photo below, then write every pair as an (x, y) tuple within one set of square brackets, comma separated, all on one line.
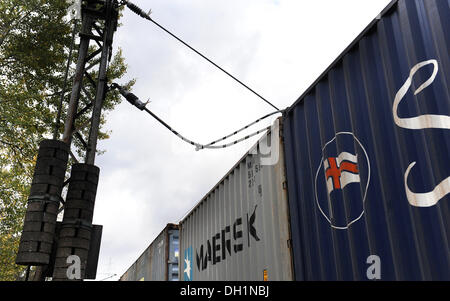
[(341, 171)]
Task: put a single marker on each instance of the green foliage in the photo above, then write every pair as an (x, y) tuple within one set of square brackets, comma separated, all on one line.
[(35, 39)]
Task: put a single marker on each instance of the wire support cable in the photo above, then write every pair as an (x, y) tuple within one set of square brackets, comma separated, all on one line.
[(199, 146), (134, 8), (244, 128), (134, 100)]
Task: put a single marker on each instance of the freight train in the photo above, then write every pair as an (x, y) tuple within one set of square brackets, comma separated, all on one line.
[(352, 182)]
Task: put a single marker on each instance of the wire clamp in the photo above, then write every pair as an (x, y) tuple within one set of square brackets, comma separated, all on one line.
[(130, 97)]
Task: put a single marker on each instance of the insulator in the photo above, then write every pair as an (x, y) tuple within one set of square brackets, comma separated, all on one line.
[(133, 7), (43, 203)]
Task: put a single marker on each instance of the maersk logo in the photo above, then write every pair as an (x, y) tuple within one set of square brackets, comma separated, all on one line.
[(229, 241), (188, 264)]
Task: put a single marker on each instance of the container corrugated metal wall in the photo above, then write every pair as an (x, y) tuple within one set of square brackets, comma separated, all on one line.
[(362, 130), (159, 262), (130, 274), (240, 230)]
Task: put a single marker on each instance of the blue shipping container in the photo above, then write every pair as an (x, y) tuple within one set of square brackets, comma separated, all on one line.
[(367, 154), (159, 262)]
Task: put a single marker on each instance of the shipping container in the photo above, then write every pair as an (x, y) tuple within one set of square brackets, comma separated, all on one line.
[(367, 154), (240, 229), (159, 262), (130, 274)]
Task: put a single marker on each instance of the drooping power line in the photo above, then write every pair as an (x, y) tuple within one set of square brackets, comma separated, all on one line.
[(134, 100), (199, 146)]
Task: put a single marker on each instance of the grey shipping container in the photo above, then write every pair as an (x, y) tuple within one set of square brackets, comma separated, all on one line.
[(367, 154), (159, 262), (240, 229)]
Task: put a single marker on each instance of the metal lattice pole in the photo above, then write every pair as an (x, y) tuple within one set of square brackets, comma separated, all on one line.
[(77, 232), (110, 27), (46, 243)]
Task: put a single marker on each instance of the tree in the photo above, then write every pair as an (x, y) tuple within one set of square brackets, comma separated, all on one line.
[(35, 38)]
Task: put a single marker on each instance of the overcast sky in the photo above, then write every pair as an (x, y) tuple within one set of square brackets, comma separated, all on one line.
[(148, 176)]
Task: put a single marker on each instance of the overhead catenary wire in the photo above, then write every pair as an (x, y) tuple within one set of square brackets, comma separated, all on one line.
[(134, 8), (245, 127), (108, 277), (199, 146), (134, 100)]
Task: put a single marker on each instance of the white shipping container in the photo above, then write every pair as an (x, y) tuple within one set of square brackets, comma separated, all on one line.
[(240, 229)]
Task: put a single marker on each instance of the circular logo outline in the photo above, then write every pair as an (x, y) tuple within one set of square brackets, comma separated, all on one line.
[(367, 185)]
